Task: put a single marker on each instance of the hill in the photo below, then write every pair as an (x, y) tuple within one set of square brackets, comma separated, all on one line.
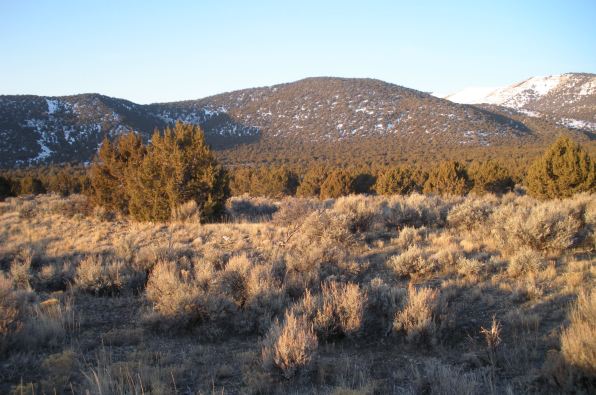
[(323, 118)]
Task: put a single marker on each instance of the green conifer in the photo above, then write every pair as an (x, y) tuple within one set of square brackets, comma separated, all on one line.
[(448, 178), (563, 170), (395, 181)]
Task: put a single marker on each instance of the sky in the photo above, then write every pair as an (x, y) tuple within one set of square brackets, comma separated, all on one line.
[(158, 51)]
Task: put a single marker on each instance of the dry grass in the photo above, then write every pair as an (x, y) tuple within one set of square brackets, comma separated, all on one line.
[(102, 275), (418, 320), (273, 300), (290, 346), (578, 341), (340, 310), (525, 261)]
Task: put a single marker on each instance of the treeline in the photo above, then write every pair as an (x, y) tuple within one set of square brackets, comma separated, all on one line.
[(564, 169), (62, 179), (448, 178), (131, 178)]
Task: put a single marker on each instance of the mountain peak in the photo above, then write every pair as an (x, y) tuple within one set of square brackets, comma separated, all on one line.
[(569, 99)]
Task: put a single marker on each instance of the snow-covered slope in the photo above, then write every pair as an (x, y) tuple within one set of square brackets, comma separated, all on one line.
[(569, 99)]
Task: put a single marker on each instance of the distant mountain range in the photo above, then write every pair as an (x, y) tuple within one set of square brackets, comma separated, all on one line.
[(568, 99), (307, 114)]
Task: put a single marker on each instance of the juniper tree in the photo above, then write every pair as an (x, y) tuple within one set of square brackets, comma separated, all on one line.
[(179, 167), (563, 170), (112, 170), (395, 181), (490, 177), (273, 182), (338, 183), (310, 186), (448, 178), (240, 181), (31, 185)]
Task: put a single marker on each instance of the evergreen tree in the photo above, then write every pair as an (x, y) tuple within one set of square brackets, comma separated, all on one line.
[(563, 170), (338, 183), (65, 181), (395, 181), (274, 182), (178, 167), (490, 177), (31, 185), (5, 188), (310, 186), (111, 168), (240, 181), (448, 178)]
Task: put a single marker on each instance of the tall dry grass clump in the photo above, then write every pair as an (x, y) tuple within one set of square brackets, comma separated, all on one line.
[(20, 270), (289, 347), (549, 227), (337, 311), (578, 341), (105, 275), (176, 298), (26, 323), (418, 319), (340, 310)]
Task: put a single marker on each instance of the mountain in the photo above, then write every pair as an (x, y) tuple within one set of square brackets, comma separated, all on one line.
[(310, 117), (567, 99)]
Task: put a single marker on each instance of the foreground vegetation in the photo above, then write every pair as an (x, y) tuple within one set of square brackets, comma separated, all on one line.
[(361, 294)]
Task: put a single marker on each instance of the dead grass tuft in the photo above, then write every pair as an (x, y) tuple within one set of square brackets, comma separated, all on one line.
[(418, 319), (289, 347), (578, 341)]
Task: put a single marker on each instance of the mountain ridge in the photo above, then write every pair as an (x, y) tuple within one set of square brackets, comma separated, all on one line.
[(311, 111), (568, 99)]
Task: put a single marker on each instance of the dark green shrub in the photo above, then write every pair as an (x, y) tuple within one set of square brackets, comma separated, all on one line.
[(178, 167), (338, 183), (448, 178), (395, 181), (31, 185), (563, 170), (490, 177)]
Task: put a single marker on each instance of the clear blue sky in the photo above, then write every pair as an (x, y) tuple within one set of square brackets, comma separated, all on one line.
[(148, 51)]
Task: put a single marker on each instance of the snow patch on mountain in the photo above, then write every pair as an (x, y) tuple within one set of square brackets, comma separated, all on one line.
[(578, 124), (44, 151), (515, 95), (520, 94), (470, 95), (52, 105)]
